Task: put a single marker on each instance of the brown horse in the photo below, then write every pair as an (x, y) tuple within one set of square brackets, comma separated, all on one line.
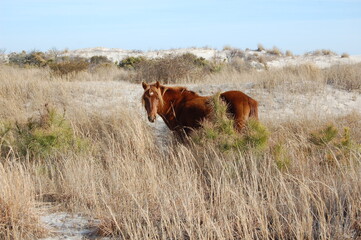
[(183, 110)]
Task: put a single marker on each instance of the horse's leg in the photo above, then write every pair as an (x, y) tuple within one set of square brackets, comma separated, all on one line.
[(241, 115)]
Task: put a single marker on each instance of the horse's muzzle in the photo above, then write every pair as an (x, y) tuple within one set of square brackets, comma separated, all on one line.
[(151, 118)]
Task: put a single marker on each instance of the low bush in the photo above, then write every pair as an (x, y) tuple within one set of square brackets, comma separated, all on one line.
[(131, 62), (68, 68), (40, 137), (289, 53), (345, 55), (335, 147), (220, 131), (169, 69), (260, 48), (99, 60), (275, 51), (33, 59)]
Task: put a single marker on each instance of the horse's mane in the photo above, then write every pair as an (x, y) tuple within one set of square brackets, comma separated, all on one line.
[(181, 90)]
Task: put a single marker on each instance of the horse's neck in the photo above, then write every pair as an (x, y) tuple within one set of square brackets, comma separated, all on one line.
[(169, 99), (172, 99)]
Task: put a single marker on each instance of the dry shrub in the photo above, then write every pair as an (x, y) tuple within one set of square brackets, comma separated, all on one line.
[(260, 48), (95, 60), (275, 51), (289, 53), (240, 65), (235, 53), (346, 77), (171, 69), (345, 55), (69, 68)]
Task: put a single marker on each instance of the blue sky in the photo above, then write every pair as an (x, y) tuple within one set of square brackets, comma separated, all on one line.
[(296, 25)]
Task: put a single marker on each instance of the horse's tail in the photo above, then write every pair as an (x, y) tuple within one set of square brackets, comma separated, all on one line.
[(254, 109)]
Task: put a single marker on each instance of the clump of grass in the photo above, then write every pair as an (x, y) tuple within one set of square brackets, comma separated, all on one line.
[(330, 136), (345, 55), (275, 51), (260, 48), (40, 137), (18, 218), (322, 52), (281, 156), (347, 77), (324, 136), (220, 131), (335, 146), (227, 47), (289, 53)]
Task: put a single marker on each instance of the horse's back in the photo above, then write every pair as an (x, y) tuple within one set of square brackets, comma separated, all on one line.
[(240, 104)]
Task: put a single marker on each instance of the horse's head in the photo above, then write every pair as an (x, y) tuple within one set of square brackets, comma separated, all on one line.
[(152, 99)]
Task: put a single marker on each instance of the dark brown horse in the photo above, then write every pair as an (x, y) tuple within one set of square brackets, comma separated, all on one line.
[(183, 110)]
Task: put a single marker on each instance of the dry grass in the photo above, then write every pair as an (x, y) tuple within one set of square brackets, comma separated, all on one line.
[(346, 77), (139, 192), (345, 55), (18, 216), (138, 189), (275, 51)]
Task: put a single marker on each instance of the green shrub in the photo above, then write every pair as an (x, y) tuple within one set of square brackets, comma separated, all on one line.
[(335, 146), (131, 62), (282, 158), (47, 135), (23, 59), (17, 58), (220, 131), (324, 136)]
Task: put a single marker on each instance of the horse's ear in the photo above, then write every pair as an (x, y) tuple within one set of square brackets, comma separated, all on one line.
[(157, 84), (144, 85)]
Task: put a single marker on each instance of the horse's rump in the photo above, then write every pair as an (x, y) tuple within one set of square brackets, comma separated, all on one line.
[(240, 104)]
